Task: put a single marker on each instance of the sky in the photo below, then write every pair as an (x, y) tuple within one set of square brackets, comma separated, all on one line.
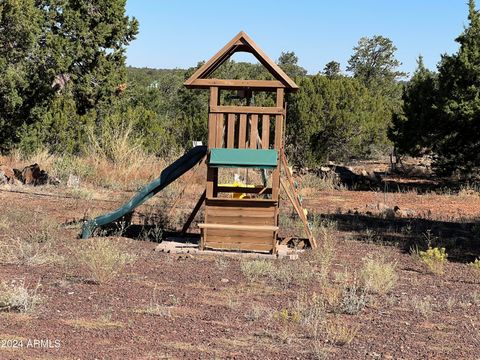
[(180, 33)]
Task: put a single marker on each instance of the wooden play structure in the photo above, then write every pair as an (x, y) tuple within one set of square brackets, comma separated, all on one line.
[(241, 136), (245, 137)]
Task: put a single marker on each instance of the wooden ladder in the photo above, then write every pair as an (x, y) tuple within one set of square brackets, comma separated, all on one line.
[(294, 198)]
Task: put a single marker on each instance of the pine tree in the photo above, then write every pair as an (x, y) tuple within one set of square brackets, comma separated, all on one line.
[(288, 61), (332, 69)]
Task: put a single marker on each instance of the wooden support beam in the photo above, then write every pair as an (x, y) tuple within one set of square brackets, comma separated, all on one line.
[(239, 227), (187, 185), (295, 201), (194, 212), (247, 190), (266, 85), (280, 97), (212, 118), (211, 181), (247, 110)]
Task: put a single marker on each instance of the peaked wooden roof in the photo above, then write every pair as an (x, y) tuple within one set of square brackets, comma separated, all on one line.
[(241, 42)]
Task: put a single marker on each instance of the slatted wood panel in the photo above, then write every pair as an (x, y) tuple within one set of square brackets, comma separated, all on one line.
[(257, 212), (239, 246), (243, 130)]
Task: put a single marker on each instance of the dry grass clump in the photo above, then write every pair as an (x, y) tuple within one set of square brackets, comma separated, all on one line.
[(327, 181), (323, 256), (254, 270), (311, 311), (114, 159), (468, 190), (475, 266), (378, 276), (285, 274), (103, 258), (120, 157), (340, 333), (16, 297), (156, 308), (423, 306), (36, 247), (290, 273)]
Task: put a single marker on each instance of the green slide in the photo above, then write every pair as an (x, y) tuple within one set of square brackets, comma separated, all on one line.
[(168, 175)]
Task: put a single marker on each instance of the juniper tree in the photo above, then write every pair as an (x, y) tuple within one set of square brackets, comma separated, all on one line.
[(457, 142)]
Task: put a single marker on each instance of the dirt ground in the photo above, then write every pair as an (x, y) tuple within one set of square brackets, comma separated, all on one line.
[(165, 306)]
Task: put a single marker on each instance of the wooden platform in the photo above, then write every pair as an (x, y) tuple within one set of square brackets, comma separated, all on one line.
[(170, 246)]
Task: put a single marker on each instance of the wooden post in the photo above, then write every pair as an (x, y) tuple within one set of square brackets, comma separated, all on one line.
[(194, 213), (278, 145), (212, 118), (212, 174)]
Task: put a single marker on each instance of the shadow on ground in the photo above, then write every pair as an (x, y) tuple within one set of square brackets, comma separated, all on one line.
[(461, 239)]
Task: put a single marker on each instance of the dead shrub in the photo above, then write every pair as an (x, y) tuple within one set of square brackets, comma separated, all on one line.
[(16, 297)]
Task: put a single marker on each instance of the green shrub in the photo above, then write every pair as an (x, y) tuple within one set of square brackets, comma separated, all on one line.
[(435, 259)]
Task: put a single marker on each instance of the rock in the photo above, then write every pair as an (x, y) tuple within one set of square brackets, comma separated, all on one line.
[(404, 213), (52, 180), (73, 181), (3, 178), (282, 251), (7, 175), (382, 207), (33, 175), (225, 281)]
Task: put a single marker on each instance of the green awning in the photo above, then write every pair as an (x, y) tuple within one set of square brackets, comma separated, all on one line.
[(250, 158)]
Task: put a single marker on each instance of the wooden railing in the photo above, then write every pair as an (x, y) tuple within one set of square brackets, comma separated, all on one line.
[(241, 130)]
